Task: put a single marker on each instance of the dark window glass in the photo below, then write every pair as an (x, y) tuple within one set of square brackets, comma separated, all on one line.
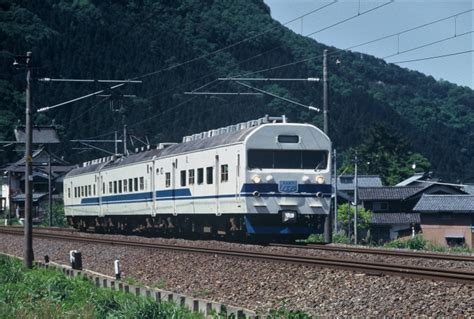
[(260, 159), (288, 139), (142, 183), (191, 177), (135, 184), (120, 186), (209, 175), (167, 179), (287, 159), (93, 188), (124, 185), (290, 159), (200, 176), (315, 159), (115, 187), (130, 185), (183, 178)]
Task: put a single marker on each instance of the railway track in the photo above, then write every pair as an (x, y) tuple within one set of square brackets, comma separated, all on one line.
[(372, 268), (385, 252)]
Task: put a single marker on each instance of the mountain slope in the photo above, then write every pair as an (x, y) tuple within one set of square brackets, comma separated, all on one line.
[(125, 39)]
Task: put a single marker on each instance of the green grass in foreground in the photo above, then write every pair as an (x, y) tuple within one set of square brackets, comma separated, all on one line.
[(42, 293)]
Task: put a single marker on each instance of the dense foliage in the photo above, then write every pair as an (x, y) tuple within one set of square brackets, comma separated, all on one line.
[(128, 38)]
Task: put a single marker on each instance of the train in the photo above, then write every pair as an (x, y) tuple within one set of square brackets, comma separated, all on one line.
[(265, 178)]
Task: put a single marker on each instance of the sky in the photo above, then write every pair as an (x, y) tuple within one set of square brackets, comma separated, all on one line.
[(393, 18)]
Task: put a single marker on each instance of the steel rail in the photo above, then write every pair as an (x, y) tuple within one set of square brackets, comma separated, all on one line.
[(378, 251), (373, 268)]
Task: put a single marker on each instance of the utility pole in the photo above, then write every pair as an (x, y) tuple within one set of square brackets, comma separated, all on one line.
[(356, 199), (335, 191), (50, 195), (116, 145), (325, 92), (28, 253), (124, 139), (328, 221)]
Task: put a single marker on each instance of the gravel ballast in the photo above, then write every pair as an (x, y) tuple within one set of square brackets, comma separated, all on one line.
[(261, 285)]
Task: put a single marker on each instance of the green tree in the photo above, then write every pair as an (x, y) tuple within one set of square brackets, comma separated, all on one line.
[(345, 219), (386, 154)]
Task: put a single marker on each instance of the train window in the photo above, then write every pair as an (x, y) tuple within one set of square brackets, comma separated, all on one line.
[(315, 159), (135, 184), (115, 187), (68, 192), (200, 176), (167, 179), (89, 191), (191, 177), (288, 139), (124, 185), (75, 192), (224, 173), (93, 187), (82, 191), (290, 159), (209, 175), (183, 178), (130, 185), (120, 186), (103, 188), (111, 189), (142, 183)]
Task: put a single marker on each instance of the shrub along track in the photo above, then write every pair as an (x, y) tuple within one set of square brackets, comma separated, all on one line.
[(373, 268)]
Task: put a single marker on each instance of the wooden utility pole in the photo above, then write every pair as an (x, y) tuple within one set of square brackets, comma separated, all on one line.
[(28, 253), (328, 220)]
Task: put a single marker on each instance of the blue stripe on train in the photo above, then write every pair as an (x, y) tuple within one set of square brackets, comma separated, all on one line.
[(265, 190)]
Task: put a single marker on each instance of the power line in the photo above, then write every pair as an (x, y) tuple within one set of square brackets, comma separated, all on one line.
[(232, 45), (357, 45), (312, 33), (428, 44), (433, 57)]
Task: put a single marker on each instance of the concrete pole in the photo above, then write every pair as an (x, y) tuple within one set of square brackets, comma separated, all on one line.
[(125, 140), (328, 220), (28, 253), (50, 195), (335, 191), (355, 201)]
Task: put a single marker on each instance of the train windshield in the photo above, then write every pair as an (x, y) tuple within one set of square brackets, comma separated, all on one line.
[(290, 159)]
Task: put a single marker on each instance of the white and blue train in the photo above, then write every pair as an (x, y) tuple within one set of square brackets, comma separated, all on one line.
[(264, 177)]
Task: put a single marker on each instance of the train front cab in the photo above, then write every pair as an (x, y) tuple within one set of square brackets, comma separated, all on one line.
[(288, 181)]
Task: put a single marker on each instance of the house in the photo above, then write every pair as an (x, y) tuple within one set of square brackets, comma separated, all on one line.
[(447, 220), (346, 185), (392, 208), (13, 189)]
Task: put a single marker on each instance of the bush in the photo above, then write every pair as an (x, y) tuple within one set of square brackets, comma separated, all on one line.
[(416, 243)]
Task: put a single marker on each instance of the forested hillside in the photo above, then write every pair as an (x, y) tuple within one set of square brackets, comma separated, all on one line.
[(154, 40)]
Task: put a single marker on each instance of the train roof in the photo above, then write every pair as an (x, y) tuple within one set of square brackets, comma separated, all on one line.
[(213, 141)]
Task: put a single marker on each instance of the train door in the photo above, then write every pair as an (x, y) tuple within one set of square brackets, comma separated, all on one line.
[(153, 188), (217, 182), (173, 184)]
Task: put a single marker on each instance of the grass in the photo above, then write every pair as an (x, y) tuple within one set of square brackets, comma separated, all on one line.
[(43, 293)]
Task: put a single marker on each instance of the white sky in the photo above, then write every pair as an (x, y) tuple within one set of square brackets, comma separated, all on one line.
[(393, 18)]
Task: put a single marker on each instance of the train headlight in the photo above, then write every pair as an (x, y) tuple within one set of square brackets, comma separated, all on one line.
[(320, 179), (256, 179), (305, 179), (269, 179)]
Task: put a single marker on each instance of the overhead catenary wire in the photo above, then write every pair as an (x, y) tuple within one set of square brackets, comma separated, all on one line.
[(434, 57), (357, 45)]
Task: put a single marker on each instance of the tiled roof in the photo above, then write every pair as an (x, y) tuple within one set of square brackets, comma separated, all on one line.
[(469, 189), (445, 203), (346, 182), (388, 192), (395, 218), (40, 134)]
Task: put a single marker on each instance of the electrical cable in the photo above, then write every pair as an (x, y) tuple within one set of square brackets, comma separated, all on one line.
[(433, 57)]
